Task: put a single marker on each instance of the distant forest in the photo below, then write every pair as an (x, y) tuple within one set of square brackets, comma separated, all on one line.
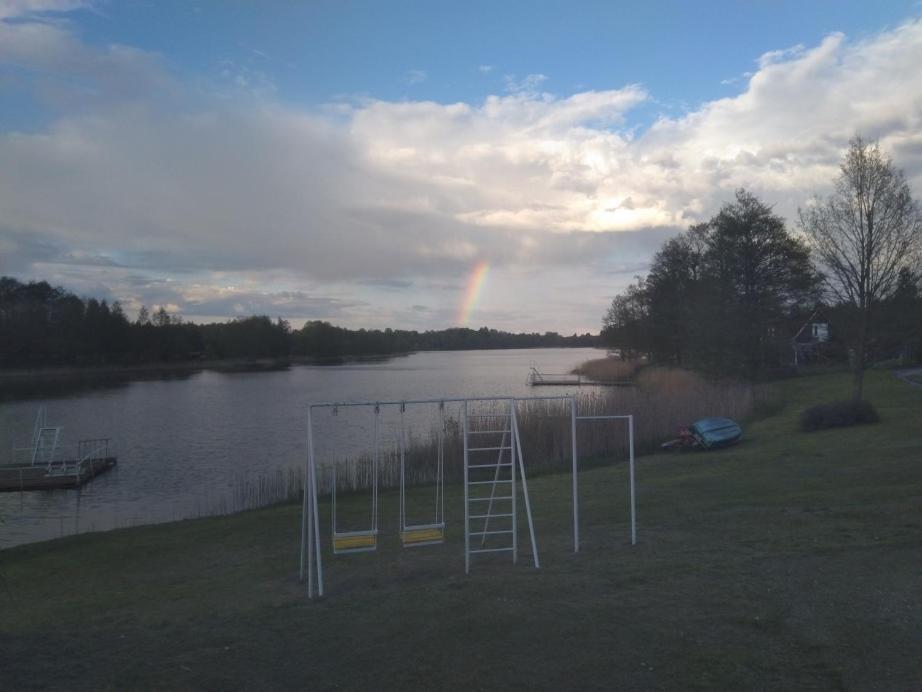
[(44, 325)]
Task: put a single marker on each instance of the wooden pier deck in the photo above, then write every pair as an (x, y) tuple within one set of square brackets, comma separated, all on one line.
[(66, 474), (538, 379)]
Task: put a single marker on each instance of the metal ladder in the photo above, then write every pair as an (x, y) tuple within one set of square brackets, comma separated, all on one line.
[(491, 465), (45, 446)]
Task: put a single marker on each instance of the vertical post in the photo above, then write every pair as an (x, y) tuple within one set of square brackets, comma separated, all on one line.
[(374, 482), (531, 525), (631, 475), (515, 513), (574, 473), (438, 459), (467, 524), (315, 515), (306, 526), (403, 480)]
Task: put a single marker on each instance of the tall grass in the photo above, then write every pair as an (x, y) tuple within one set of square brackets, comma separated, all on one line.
[(609, 369), (664, 400)]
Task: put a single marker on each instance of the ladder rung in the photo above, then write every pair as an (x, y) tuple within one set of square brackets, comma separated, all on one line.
[(489, 533), (486, 449), (489, 516), (492, 550), (487, 499), (488, 466), (486, 482)]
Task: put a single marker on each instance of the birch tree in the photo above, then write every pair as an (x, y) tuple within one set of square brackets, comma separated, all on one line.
[(862, 235)]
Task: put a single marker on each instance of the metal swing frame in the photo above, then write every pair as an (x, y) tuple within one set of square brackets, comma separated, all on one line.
[(418, 535), (311, 554), (364, 541)]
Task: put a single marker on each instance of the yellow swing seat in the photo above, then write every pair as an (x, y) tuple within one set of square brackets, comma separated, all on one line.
[(423, 536), (355, 542)]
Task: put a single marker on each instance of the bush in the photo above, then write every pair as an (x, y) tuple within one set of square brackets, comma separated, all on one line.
[(840, 414)]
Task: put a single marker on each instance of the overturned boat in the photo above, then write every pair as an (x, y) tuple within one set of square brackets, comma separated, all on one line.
[(716, 432), (707, 433)]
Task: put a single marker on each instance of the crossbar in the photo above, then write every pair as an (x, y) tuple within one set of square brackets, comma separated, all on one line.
[(397, 402)]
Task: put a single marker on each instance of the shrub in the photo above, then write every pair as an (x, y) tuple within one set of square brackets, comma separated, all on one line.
[(839, 414)]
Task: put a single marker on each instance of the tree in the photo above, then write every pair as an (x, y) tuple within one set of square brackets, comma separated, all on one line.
[(863, 234), (718, 296), (625, 325), (755, 272)]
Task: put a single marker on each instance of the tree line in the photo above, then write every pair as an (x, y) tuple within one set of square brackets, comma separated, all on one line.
[(729, 295), (44, 325)]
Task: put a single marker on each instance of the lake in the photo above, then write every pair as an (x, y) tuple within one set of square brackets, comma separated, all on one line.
[(185, 442)]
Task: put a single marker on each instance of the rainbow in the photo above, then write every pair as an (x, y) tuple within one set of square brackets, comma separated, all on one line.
[(472, 293)]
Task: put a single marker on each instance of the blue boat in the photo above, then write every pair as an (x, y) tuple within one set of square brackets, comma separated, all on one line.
[(716, 432)]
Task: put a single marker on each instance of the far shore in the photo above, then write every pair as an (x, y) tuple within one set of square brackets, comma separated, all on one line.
[(77, 372), (184, 366)]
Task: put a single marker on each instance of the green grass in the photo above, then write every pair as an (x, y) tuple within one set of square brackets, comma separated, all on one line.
[(792, 561)]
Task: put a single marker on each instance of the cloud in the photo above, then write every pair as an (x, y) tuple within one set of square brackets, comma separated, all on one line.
[(33, 9), (485, 69), (528, 85), (141, 174), (415, 77)]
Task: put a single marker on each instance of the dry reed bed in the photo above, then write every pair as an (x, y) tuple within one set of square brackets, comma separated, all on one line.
[(609, 369), (664, 400)]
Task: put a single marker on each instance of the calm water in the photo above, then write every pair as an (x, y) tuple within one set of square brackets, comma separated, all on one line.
[(184, 442)]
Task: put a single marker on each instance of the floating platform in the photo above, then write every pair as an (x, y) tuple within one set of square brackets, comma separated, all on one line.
[(62, 474), (536, 379)]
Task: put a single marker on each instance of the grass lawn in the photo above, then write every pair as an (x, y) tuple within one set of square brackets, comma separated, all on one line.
[(792, 561)]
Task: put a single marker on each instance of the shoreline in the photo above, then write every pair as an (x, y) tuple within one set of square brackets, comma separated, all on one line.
[(20, 375), (79, 372)]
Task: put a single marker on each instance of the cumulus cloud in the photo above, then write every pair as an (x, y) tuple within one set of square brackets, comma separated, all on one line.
[(368, 203)]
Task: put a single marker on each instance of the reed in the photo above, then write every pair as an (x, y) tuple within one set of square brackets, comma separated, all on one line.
[(609, 369), (664, 400)]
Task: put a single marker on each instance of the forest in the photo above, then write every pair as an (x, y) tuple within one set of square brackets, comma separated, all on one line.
[(730, 295), (44, 325)]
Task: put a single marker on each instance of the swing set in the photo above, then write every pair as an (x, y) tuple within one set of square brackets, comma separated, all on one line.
[(411, 535), (505, 469)]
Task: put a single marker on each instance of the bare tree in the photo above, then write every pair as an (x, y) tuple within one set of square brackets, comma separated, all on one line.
[(862, 235)]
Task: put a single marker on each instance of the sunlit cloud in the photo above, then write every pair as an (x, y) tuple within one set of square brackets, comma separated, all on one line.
[(142, 173)]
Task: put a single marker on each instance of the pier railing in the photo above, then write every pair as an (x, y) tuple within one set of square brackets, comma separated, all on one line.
[(65, 458)]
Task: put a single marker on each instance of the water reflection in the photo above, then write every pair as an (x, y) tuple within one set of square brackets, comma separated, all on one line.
[(187, 440)]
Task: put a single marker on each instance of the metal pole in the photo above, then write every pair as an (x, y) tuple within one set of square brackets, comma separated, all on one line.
[(315, 514), (374, 470), (631, 474), (467, 525), (403, 500), (574, 474), (531, 525), (305, 506), (515, 515)]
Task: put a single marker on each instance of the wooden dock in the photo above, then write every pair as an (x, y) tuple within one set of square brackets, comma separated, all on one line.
[(61, 474), (537, 379)]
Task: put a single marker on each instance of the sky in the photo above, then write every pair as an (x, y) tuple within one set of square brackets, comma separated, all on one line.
[(421, 165)]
